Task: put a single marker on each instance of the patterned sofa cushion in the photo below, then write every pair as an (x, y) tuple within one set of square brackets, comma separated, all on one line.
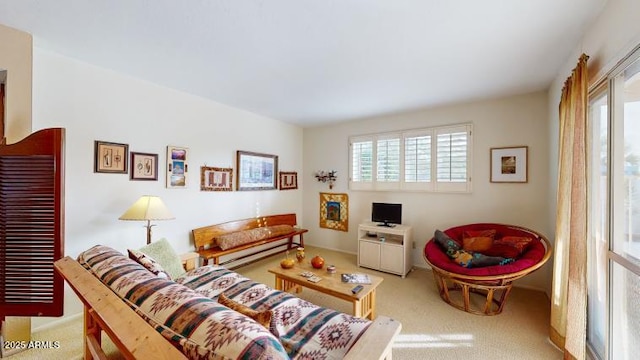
[(199, 326), (231, 240), (306, 330)]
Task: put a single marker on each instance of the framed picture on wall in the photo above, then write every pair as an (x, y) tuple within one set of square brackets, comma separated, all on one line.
[(110, 157), (256, 171), (177, 167), (216, 179), (143, 166), (334, 211), (288, 180), (509, 164)]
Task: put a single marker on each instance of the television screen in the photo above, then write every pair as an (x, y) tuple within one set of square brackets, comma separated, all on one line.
[(386, 214)]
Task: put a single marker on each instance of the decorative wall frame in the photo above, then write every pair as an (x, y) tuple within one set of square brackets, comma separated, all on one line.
[(288, 180), (216, 179), (509, 164), (144, 166), (177, 167), (110, 157), (256, 171), (334, 211)]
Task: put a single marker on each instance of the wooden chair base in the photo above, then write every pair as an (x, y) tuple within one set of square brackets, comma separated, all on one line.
[(494, 293)]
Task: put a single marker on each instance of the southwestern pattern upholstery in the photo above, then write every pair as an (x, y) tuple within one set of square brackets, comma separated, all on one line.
[(306, 330), (231, 240), (185, 311), (198, 326)]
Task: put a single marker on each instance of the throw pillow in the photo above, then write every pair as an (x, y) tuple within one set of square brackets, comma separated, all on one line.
[(261, 317), (482, 233), (518, 242), (477, 244), (164, 254), (148, 262)]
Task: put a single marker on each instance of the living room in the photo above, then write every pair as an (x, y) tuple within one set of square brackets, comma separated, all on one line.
[(96, 103)]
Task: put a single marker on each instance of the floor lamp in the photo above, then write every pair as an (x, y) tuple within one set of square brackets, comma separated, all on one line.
[(147, 208)]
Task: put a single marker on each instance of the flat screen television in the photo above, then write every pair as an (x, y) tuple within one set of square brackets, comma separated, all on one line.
[(386, 214)]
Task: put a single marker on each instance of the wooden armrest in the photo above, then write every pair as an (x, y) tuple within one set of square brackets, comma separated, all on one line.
[(377, 341)]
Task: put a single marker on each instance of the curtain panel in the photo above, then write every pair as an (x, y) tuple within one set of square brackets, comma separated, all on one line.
[(569, 292)]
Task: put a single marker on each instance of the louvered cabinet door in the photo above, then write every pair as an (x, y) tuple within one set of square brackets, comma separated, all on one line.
[(31, 225)]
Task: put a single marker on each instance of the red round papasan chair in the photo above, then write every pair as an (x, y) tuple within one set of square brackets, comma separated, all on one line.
[(493, 282)]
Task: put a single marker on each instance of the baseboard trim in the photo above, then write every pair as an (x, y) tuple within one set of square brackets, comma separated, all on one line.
[(57, 323)]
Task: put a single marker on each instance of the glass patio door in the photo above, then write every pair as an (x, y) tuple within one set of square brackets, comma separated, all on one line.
[(613, 274)]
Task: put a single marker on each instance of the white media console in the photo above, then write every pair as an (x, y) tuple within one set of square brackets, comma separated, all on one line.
[(384, 248)]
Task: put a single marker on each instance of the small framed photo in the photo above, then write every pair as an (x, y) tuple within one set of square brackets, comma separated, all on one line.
[(110, 157), (144, 166), (509, 164), (256, 171), (177, 167), (216, 179), (288, 180)]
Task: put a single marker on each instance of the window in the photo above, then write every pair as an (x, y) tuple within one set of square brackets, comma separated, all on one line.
[(431, 159), (613, 252)]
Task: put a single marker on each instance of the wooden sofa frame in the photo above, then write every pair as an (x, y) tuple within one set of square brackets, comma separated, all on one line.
[(204, 237), (136, 339)]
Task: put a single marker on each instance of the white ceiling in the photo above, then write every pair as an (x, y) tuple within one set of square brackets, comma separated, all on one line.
[(310, 62)]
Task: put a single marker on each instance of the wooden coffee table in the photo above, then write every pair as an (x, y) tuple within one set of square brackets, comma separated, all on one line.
[(364, 302)]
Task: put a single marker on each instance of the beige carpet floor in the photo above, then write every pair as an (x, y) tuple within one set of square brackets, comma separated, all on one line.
[(431, 329)]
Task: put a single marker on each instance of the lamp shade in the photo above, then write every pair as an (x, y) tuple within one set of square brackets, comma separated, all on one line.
[(147, 208)]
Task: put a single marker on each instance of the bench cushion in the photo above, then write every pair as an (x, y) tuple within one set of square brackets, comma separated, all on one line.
[(234, 239)]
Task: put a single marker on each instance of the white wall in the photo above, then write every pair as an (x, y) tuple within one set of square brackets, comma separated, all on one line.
[(16, 57), (518, 120), (98, 104)]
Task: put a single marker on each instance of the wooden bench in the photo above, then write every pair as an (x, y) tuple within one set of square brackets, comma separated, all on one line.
[(204, 238)]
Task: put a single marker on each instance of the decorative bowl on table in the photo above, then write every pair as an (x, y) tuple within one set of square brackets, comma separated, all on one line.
[(317, 262), (287, 263)]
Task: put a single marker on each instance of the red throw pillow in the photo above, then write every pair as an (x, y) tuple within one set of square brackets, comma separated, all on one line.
[(509, 246), (519, 242), (479, 233), (502, 250)]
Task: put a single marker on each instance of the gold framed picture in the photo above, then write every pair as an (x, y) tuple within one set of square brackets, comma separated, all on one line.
[(216, 179), (110, 157), (334, 211)]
